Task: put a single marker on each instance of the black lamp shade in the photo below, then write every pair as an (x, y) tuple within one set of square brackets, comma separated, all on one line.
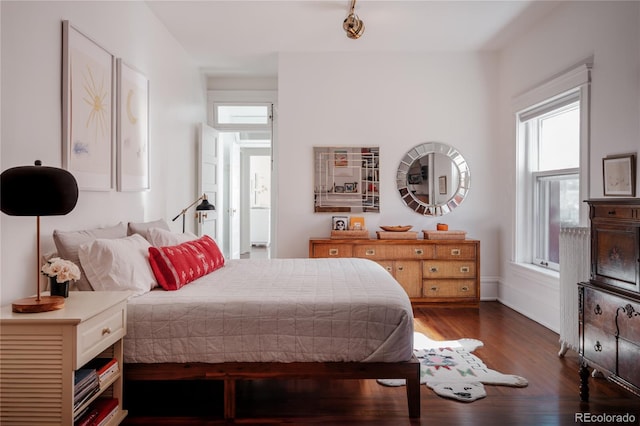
[(205, 205), (37, 191)]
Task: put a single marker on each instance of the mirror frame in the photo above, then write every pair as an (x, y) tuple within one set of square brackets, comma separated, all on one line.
[(420, 151)]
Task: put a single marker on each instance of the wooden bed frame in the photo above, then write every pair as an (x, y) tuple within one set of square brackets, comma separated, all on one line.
[(232, 371)]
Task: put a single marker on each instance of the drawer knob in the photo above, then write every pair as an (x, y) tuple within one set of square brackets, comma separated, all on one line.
[(434, 288), (464, 269), (433, 269), (597, 310), (419, 252), (370, 252), (333, 252), (465, 288), (389, 268), (106, 331), (400, 268), (597, 347), (455, 252), (611, 212)]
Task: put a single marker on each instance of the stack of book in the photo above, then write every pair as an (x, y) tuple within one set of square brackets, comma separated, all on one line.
[(86, 384), (106, 368), (99, 413)]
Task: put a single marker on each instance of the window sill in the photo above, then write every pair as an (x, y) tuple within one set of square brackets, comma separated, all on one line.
[(535, 273)]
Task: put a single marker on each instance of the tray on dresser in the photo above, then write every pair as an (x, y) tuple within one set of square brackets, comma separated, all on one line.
[(432, 234), (392, 235), (355, 234)]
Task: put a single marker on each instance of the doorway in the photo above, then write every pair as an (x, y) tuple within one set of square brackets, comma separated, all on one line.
[(247, 194)]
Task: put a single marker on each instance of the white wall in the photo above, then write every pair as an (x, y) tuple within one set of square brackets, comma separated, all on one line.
[(31, 116), (394, 101), (610, 31)]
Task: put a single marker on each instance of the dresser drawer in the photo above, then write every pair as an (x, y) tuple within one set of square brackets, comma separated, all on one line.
[(455, 251), (600, 310), (616, 212), (628, 361), (332, 250), (448, 269), (99, 332), (600, 347), (449, 288), (373, 252)]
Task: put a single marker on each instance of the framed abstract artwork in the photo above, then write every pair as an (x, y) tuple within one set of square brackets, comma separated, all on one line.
[(88, 122), (132, 128)]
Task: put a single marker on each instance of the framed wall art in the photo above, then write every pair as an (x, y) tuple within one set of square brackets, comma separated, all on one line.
[(132, 128), (619, 175), (88, 122)]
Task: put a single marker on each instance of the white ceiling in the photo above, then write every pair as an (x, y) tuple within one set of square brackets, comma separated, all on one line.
[(243, 37)]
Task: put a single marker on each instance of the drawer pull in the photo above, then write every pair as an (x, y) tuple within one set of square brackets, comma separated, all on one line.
[(419, 251), (400, 268), (433, 269), (434, 288), (333, 252), (464, 269), (597, 347), (465, 288), (106, 331), (370, 252), (455, 252), (611, 212), (597, 310), (389, 268)]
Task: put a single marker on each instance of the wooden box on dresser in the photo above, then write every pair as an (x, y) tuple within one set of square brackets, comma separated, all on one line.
[(430, 271), (40, 352), (609, 317)]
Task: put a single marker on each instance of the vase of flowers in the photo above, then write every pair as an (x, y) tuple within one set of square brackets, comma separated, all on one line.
[(60, 272)]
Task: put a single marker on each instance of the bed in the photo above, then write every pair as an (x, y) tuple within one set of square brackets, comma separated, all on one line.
[(250, 319)]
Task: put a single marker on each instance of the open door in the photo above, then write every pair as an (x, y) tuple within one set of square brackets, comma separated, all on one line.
[(208, 182)]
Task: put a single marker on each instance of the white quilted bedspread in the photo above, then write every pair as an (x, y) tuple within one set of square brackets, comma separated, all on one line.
[(275, 310)]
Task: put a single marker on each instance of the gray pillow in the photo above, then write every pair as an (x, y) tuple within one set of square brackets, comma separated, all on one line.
[(68, 243), (142, 228)]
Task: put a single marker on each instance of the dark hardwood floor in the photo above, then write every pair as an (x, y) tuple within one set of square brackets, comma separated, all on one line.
[(512, 344)]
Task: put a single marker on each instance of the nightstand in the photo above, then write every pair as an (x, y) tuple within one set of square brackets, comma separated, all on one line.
[(40, 352)]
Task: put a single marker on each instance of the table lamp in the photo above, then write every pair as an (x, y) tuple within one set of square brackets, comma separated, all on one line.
[(37, 191)]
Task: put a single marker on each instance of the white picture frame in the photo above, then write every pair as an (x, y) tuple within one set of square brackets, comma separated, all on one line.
[(88, 118), (132, 128)]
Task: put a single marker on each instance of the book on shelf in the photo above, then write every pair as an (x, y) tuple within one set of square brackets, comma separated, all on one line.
[(100, 412), (105, 368), (86, 384)]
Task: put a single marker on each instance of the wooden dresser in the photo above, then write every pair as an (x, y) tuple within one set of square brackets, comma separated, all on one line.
[(609, 304), (430, 271)]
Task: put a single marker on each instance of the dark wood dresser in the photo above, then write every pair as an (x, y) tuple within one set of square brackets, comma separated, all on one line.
[(609, 317)]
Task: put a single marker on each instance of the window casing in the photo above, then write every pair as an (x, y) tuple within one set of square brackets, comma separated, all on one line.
[(552, 167)]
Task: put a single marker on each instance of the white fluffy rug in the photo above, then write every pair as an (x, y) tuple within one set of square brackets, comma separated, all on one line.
[(449, 368)]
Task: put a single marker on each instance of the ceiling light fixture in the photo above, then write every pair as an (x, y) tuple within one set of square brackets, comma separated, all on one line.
[(352, 24)]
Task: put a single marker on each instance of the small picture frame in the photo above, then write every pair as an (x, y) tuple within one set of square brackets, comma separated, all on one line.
[(350, 187), (414, 179), (619, 175), (442, 184), (356, 223), (338, 189), (339, 223)]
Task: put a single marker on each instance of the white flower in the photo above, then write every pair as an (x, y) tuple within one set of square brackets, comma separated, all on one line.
[(60, 269)]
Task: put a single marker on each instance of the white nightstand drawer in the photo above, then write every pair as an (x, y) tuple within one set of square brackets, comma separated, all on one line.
[(99, 332)]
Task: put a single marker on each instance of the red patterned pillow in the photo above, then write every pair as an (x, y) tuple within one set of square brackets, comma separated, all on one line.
[(175, 266)]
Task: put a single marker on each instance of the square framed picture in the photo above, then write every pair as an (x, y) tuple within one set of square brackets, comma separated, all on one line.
[(619, 175), (339, 223)]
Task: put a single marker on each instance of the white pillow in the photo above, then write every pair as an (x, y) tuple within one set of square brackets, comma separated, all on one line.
[(118, 264), (159, 237)]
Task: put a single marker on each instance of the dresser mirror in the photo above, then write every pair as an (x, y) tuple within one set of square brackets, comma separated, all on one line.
[(433, 179), (346, 179)]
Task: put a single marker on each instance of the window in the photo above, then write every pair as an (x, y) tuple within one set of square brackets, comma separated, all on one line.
[(552, 175)]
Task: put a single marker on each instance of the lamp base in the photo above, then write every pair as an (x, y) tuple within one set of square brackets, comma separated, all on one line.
[(32, 305)]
